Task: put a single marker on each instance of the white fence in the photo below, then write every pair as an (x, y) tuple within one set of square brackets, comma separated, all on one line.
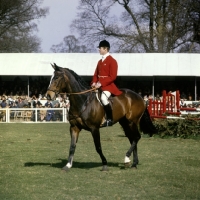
[(18, 115)]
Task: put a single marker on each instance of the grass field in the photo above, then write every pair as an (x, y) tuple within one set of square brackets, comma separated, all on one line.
[(32, 156)]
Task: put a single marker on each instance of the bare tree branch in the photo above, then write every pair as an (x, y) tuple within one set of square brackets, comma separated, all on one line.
[(140, 26), (17, 25)]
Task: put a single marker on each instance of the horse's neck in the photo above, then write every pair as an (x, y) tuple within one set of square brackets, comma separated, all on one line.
[(77, 101)]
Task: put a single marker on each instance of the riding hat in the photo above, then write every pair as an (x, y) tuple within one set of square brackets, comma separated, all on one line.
[(104, 43)]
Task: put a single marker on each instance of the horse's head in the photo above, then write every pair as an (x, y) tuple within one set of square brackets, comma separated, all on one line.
[(57, 82)]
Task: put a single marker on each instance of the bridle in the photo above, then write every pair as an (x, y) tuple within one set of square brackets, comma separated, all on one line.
[(69, 93), (85, 104)]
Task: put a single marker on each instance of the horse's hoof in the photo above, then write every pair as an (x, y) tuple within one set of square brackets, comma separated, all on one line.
[(133, 167), (104, 168), (127, 164), (65, 169)]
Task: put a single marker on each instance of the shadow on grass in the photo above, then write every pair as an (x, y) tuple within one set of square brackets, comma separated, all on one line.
[(63, 162)]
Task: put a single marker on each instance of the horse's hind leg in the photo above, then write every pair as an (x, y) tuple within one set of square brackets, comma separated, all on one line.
[(97, 142), (133, 148), (132, 133)]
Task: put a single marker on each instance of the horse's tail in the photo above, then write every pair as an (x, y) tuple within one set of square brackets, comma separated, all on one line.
[(146, 124)]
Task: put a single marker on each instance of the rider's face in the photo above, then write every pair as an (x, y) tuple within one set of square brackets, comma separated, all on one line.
[(103, 50)]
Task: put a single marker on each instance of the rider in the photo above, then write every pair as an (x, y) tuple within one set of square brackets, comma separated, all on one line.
[(104, 77)]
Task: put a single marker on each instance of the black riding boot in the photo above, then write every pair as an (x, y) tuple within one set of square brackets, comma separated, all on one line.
[(109, 117)]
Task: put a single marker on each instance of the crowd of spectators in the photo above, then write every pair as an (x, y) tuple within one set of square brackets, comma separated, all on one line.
[(33, 102), (13, 94)]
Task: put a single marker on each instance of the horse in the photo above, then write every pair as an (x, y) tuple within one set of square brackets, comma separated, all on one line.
[(86, 112)]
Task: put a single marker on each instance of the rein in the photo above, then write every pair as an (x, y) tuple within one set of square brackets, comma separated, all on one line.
[(83, 92)]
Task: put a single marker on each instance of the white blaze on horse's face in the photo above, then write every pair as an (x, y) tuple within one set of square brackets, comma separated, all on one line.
[(50, 93), (51, 80)]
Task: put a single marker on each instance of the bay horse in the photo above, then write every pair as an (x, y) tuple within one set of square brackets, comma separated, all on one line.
[(86, 112)]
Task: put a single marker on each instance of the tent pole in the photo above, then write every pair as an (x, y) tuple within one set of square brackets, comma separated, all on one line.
[(28, 86), (195, 89), (153, 87)]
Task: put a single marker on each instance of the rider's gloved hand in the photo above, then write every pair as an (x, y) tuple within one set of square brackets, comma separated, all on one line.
[(98, 85), (93, 85)]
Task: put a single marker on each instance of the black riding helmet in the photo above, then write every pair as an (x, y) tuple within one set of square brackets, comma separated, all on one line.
[(104, 43)]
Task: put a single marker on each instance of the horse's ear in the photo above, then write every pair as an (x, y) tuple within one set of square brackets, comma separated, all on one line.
[(56, 68)]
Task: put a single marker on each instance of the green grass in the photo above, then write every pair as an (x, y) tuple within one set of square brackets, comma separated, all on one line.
[(32, 155)]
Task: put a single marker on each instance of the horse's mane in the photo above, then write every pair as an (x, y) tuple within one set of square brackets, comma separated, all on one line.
[(78, 78)]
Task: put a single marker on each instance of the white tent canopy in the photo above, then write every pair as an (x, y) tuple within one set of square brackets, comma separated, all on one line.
[(130, 64), (84, 64)]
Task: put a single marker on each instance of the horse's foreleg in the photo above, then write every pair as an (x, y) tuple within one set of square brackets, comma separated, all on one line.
[(97, 142), (74, 132)]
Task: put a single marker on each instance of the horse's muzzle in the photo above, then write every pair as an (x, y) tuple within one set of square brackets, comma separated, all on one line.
[(51, 95)]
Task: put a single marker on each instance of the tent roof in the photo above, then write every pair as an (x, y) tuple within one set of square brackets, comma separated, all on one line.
[(134, 64)]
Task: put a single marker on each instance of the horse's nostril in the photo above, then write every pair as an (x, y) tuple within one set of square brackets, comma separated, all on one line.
[(48, 97)]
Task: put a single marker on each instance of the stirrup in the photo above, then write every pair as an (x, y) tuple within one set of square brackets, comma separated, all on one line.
[(108, 122)]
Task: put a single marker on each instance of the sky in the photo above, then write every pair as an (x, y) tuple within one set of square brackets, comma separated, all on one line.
[(53, 28)]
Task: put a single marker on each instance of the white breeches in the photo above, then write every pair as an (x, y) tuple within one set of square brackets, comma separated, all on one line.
[(104, 97)]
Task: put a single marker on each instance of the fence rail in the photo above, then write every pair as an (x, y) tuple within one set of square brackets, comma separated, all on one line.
[(170, 105), (13, 115)]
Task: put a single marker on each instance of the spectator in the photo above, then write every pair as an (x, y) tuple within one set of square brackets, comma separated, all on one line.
[(2, 114), (3, 103), (151, 96), (43, 113), (38, 112), (67, 103), (40, 97), (146, 99), (57, 113), (182, 103), (62, 104), (49, 115), (49, 103), (13, 104), (58, 98), (21, 103), (34, 101), (190, 98)]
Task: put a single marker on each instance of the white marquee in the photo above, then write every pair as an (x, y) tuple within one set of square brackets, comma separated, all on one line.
[(130, 64)]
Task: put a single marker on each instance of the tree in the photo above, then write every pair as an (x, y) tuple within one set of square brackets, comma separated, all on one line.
[(17, 25), (194, 13), (148, 26), (70, 44)]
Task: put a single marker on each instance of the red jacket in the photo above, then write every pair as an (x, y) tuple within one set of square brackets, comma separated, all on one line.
[(106, 73)]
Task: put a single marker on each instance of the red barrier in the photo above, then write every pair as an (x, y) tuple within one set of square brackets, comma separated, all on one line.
[(188, 109), (168, 104)]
